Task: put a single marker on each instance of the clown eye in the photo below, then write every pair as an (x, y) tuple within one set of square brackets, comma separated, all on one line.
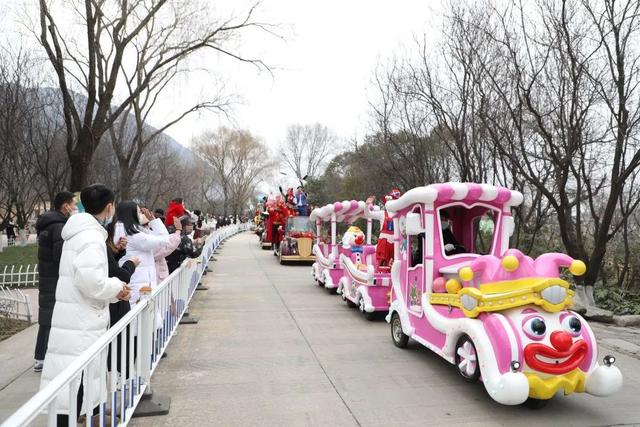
[(572, 324), (535, 327)]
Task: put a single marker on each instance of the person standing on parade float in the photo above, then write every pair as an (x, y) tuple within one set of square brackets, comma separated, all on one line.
[(384, 247), (301, 200)]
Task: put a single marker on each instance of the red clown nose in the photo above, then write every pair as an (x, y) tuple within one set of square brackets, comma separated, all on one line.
[(359, 239), (561, 340)]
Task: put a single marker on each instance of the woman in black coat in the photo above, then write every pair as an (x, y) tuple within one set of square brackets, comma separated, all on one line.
[(119, 309)]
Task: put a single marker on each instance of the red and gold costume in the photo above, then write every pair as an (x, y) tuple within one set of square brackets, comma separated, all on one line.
[(384, 248)]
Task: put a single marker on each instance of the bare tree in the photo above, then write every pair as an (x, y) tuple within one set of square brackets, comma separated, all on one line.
[(165, 173), (131, 134), (468, 114), (46, 142), (564, 110), (306, 149), (114, 32), (21, 188), (238, 161), (406, 150), (618, 27)]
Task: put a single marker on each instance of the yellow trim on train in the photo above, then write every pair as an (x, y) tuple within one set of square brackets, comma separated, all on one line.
[(498, 296)]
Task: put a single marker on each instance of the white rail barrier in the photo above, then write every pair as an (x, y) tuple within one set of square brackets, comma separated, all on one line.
[(19, 276), (120, 390), (14, 304), (20, 240)]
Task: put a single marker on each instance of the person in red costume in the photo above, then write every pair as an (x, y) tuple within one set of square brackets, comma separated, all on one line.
[(289, 200), (270, 207), (175, 209), (384, 248), (279, 219)]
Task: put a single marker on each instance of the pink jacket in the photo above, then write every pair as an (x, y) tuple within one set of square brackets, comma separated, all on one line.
[(162, 269)]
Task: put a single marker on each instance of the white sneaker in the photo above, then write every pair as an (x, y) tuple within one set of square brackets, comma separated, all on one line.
[(38, 366)]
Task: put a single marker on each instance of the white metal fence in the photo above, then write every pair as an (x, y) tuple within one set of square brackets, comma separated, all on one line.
[(14, 304), (19, 276), (21, 239), (140, 330)]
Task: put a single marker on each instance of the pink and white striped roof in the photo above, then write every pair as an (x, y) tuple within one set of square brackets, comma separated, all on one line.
[(346, 211), (456, 191)]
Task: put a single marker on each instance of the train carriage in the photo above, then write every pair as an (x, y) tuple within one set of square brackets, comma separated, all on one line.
[(364, 283), (327, 270), (295, 240), (498, 315)]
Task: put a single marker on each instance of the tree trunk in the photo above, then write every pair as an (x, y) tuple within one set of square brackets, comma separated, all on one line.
[(594, 268), (80, 159), (79, 172), (126, 181), (52, 196)]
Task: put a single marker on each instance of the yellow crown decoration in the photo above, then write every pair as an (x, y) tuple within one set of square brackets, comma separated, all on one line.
[(511, 290), (551, 294)]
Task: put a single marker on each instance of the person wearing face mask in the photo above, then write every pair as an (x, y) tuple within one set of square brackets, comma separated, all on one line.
[(84, 291), (162, 268), (119, 309), (145, 235), (49, 232), (187, 248), (451, 245)]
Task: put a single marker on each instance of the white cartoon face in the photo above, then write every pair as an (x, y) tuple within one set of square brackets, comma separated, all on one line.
[(552, 343), (353, 237)]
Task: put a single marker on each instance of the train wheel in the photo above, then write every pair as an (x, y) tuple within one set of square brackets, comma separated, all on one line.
[(349, 302), (400, 339), (369, 316), (532, 403), (466, 359)]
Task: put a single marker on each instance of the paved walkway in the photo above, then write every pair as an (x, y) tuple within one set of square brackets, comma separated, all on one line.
[(273, 349), (18, 382)]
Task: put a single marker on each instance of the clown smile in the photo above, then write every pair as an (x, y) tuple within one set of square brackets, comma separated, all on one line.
[(552, 361)]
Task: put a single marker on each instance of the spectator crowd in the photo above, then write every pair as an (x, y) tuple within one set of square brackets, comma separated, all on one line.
[(94, 257)]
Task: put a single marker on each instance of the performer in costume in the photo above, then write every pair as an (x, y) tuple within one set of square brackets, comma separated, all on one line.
[(289, 200), (384, 248)]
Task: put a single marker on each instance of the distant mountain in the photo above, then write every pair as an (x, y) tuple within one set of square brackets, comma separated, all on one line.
[(180, 150), (55, 111)]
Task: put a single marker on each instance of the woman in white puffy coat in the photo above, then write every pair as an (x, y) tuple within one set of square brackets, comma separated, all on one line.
[(162, 269), (141, 242), (84, 291)]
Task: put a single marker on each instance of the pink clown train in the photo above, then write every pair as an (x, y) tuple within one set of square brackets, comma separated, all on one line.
[(454, 285), (350, 267)]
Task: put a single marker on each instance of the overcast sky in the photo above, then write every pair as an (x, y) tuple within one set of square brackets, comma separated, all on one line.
[(321, 71)]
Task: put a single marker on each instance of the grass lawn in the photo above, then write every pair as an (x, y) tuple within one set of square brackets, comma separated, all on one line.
[(15, 255), (19, 255), (9, 327)]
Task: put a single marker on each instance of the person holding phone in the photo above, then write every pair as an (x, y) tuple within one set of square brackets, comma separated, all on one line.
[(83, 293), (145, 235)]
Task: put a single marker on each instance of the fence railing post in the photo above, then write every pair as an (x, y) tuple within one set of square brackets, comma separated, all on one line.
[(151, 404), (27, 306), (128, 387)]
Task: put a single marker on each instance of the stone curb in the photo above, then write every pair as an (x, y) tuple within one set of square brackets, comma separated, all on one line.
[(627, 320), (605, 316), (595, 314)]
